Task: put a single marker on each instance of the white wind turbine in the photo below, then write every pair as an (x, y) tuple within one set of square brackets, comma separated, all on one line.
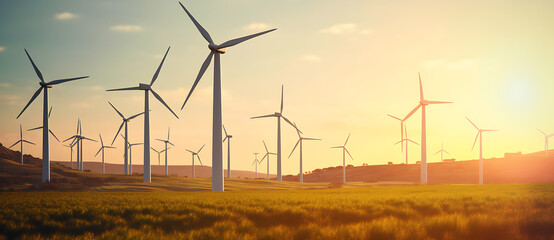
[(49, 130), (278, 115), (198, 156), (148, 88), (126, 142), (70, 146), (401, 129), (546, 136), (73, 143), (78, 138), (227, 136), (267, 154), (130, 146), (442, 151), (102, 147), (423, 103), (166, 142), (300, 140), (406, 139), (45, 140), (256, 162), (21, 141), (480, 136), (216, 50), (344, 150), (159, 153)]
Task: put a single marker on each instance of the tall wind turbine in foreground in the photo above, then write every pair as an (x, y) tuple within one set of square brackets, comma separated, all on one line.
[(279, 115), (480, 136), (148, 88), (256, 162), (267, 154), (217, 50), (406, 139), (49, 130), (300, 139), (423, 103), (546, 136), (125, 138), (442, 151), (344, 150), (45, 140), (227, 136), (166, 142), (21, 141), (102, 147), (198, 156)]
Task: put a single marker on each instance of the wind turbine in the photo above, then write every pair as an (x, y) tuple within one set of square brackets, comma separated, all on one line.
[(401, 129), (300, 139), (227, 136), (21, 141), (344, 150), (49, 130), (73, 143), (480, 136), (279, 115), (267, 153), (166, 142), (70, 146), (126, 137), (148, 88), (406, 139), (102, 149), (215, 50), (256, 162), (45, 140), (130, 146), (546, 136), (423, 103), (79, 139), (198, 156), (158, 152), (442, 151)]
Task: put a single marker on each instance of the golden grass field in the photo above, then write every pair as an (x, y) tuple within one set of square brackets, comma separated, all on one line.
[(307, 211)]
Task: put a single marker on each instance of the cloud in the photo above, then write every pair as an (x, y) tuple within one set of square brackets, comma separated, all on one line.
[(9, 99), (127, 28), (451, 65), (345, 28), (2, 48), (5, 85), (310, 58), (65, 16), (256, 27)]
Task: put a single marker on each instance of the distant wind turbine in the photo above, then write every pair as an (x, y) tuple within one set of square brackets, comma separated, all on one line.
[(198, 156), (442, 151), (278, 115), (130, 146), (344, 150), (21, 141), (546, 136), (406, 139), (49, 130), (148, 88), (125, 138), (215, 50), (166, 141), (70, 146), (401, 129), (227, 136), (102, 147), (79, 138), (300, 139), (45, 140), (423, 103), (480, 136), (256, 162), (159, 153), (267, 154)]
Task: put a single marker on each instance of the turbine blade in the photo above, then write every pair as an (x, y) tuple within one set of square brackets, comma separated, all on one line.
[(101, 142), (134, 116), (349, 153), (118, 130), (420, 88), (476, 136), (29, 142), (15, 143), (30, 101), (347, 139), (337, 147), (447, 152), (65, 80), (282, 90), (542, 132), (203, 31), (121, 115), (225, 131), (289, 122), (89, 139), (265, 156), (168, 130), (411, 112), (162, 101), (437, 152), (50, 112), (190, 151), (413, 142), (435, 102), (394, 117), (39, 74), (171, 144), (123, 89), (489, 130), (20, 132), (200, 160), (54, 135), (294, 147), (200, 149), (225, 138), (264, 116), (205, 66), (154, 149), (400, 141), (32, 129), (265, 146), (74, 136), (98, 151), (109, 147), (159, 68), (236, 41), (473, 123), (311, 139)]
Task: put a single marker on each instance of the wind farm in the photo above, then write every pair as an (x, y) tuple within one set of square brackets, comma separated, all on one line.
[(350, 71)]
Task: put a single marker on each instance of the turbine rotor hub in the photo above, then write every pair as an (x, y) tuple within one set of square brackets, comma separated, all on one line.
[(143, 86), (215, 48)]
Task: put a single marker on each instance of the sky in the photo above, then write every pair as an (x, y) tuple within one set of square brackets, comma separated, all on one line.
[(344, 65)]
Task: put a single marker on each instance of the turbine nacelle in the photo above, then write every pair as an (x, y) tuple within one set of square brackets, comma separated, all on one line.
[(215, 48), (143, 86)]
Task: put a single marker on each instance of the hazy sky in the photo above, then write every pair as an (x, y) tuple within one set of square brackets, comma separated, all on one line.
[(345, 66)]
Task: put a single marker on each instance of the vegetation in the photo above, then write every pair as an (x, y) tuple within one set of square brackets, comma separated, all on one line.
[(514, 211)]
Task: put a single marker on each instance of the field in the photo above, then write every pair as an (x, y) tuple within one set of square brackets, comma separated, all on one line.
[(511, 211)]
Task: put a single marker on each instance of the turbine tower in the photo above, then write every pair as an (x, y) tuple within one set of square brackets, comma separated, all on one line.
[(267, 153), (423, 103), (300, 139), (278, 115), (21, 141), (406, 139), (45, 140), (166, 142), (198, 156), (546, 136), (148, 88), (442, 151), (216, 50), (256, 162), (480, 136), (227, 136), (344, 150), (49, 130), (125, 138), (102, 147)]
